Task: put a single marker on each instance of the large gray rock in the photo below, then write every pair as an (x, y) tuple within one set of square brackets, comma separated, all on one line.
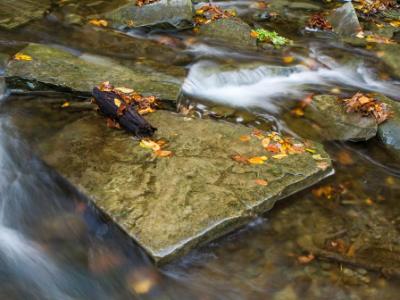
[(389, 131), (335, 124), (60, 68), (390, 56), (230, 31), (178, 13), (16, 13), (344, 20), (168, 205)]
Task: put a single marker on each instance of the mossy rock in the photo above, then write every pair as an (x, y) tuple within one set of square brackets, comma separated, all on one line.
[(229, 31), (61, 69), (171, 205), (17, 13)]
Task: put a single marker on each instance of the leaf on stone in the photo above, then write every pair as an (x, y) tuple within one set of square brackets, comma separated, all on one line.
[(240, 158), (367, 106), (140, 3), (279, 156), (374, 38), (23, 57), (323, 165), (317, 157), (257, 160), (261, 182), (150, 144), (318, 21), (244, 138), (265, 142), (163, 153)]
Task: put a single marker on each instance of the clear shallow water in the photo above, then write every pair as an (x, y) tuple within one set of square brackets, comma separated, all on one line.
[(54, 245)]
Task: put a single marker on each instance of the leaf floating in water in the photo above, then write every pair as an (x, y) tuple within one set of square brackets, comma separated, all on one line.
[(23, 57)]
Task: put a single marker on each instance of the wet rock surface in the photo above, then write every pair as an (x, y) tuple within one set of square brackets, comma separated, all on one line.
[(171, 205), (344, 20), (59, 68), (327, 117), (230, 31), (17, 13), (176, 13)]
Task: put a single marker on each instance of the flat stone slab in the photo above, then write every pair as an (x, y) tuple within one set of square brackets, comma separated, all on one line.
[(178, 13), (169, 205), (16, 13), (63, 69)]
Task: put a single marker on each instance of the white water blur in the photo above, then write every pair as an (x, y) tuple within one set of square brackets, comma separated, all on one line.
[(262, 86)]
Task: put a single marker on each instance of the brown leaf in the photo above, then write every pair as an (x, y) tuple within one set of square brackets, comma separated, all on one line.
[(240, 159)]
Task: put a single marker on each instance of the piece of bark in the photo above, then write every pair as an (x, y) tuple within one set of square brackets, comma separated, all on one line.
[(128, 118)]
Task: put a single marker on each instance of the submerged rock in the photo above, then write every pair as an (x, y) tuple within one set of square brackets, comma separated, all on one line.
[(334, 123), (171, 205), (178, 13), (60, 68), (231, 31), (17, 13), (344, 20)]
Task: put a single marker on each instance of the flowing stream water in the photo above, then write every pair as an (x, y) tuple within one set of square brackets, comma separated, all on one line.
[(55, 245)]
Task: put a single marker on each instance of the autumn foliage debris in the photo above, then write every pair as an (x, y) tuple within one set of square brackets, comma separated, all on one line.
[(373, 6), (144, 2), (318, 21), (368, 107), (209, 12), (144, 105)]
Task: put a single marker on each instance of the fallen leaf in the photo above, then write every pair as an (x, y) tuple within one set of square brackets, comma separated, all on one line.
[(24, 57), (257, 160), (117, 102), (312, 151), (245, 138), (265, 142), (288, 59), (395, 23), (317, 157), (279, 156), (345, 158), (163, 153), (65, 104), (261, 182), (149, 144), (323, 165), (305, 259), (240, 159), (98, 22)]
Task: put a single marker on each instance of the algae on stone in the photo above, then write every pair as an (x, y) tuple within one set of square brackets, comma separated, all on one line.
[(178, 13), (171, 205), (231, 31), (16, 13), (60, 68)]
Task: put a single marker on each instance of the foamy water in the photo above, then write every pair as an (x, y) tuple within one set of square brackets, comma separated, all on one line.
[(262, 86)]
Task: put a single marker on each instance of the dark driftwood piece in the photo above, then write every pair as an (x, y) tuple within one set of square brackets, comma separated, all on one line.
[(129, 119)]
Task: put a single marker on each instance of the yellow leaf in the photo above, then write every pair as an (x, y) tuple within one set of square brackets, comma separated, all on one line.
[(395, 23), (257, 160), (261, 182), (20, 56), (124, 90), (98, 22), (317, 157), (265, 142), (312, 151), (65, 104), (287, 59), (117, 102), (244, 138), (279, 156), (149, 144)]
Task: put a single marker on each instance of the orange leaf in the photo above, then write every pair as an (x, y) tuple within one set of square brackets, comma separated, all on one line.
[(163, 153), (245, 138), (98, 22), (261, 182), (240, 159)]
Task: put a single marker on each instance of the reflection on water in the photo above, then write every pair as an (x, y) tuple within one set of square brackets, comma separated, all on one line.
[(54, 245)]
